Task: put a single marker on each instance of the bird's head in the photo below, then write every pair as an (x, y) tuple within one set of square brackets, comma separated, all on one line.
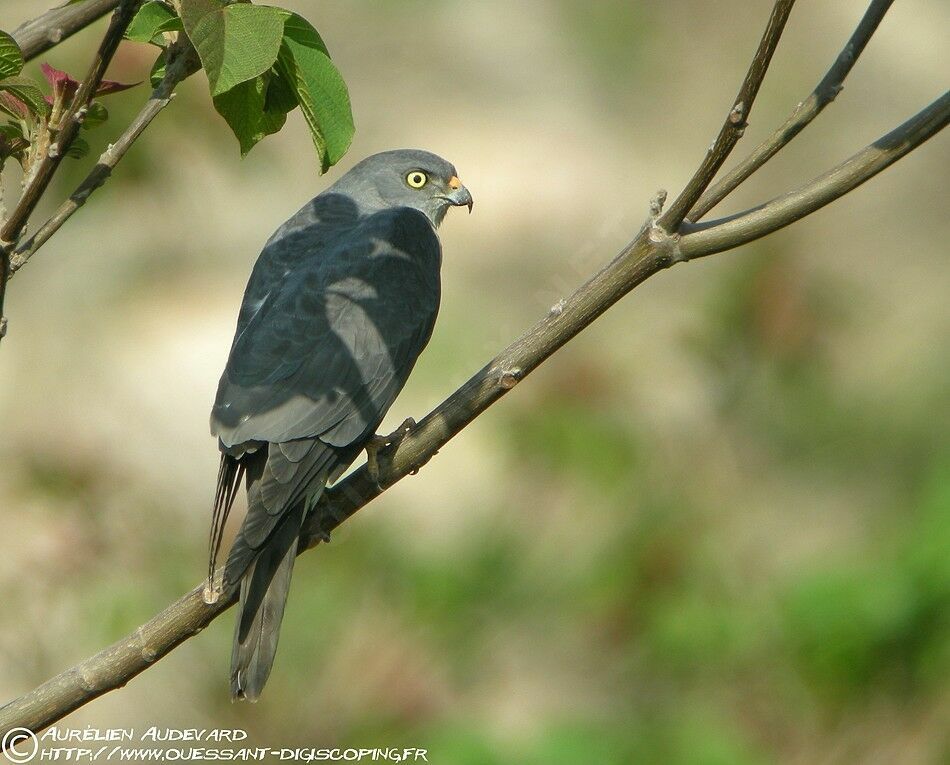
[(412, 178)]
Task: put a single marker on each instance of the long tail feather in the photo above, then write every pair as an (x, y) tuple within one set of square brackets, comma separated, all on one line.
[(264, 591), (229, 478)]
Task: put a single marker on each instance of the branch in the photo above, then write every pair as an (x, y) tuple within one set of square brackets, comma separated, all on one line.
[(651, 251), (42, 33), (728, 233), (182, 62), (113, 667), (824, 93), (60, 141), (736, 121)]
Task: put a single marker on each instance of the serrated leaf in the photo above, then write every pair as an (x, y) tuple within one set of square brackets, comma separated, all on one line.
[(306, 68), (251, 111), (11, 57), (11, 144), (10, 104), (151, 21), (235, 43), (26, 91), (11, 132)]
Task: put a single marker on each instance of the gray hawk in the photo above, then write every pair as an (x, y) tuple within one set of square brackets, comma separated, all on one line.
[(339, 305)]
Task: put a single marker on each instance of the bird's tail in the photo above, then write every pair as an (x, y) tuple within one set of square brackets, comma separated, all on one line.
[(230, 473), (264, 589)]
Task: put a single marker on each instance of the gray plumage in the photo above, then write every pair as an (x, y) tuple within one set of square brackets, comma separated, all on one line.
[(340, 303)]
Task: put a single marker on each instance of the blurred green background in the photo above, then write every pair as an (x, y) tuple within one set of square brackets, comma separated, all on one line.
[(714, 529)]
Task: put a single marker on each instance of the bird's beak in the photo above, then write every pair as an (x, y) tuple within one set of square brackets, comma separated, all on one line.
[(459, 196)]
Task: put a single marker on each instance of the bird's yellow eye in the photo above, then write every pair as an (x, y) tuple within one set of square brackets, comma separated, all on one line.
[(417, 179)]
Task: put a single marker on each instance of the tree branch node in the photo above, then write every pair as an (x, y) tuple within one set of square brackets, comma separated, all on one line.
[(656, 204), (213, 588), (737, 115), (87, 677), (508, 378), (666, 245), (148, 652)]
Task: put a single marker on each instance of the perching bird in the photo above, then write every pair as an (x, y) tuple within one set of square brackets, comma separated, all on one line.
[(340, 303)]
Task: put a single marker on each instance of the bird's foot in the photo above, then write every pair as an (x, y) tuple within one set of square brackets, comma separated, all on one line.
[(377, 442)]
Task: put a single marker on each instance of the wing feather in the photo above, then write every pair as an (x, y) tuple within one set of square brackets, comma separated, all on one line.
[(335, 335)]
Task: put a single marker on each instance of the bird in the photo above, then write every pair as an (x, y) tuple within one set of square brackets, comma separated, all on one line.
[(340, 303)]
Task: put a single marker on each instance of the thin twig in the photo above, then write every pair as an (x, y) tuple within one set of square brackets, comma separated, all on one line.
[(728, 233), (44, 32), (651, 251), (66, 130), (824, 93), (181, 63), (735, 123)]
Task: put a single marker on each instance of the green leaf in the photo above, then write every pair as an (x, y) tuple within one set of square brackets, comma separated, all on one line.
[(10, 104), (78, 149), (96, 114), (151, 21), (236, 43), (280, 95), (252, 111), (157, 74), (297, 28), (305, 66), (11, 57), (12, 142), (26, 91), (171, 25), (11, 132)]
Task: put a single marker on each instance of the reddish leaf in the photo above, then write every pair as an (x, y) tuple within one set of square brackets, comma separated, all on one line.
[(65, 87), (13, 106), (108, 87)]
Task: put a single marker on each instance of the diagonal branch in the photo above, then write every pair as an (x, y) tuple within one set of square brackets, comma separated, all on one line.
[(735, 123), (66, 130), (728, 233), (44, 32), (651, 251), (181, 63), (824, 93)]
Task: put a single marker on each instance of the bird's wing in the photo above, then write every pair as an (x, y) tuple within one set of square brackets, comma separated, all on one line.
[(327, 340)]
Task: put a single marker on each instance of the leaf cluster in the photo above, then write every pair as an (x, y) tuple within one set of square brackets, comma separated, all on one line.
[(21, 99), (35, 116), (262, 62)]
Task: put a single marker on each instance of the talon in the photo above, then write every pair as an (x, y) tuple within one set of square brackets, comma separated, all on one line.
[(373, 445), (377, 442)]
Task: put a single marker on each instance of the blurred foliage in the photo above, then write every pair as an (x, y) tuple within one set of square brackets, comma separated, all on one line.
[(714, 529)]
